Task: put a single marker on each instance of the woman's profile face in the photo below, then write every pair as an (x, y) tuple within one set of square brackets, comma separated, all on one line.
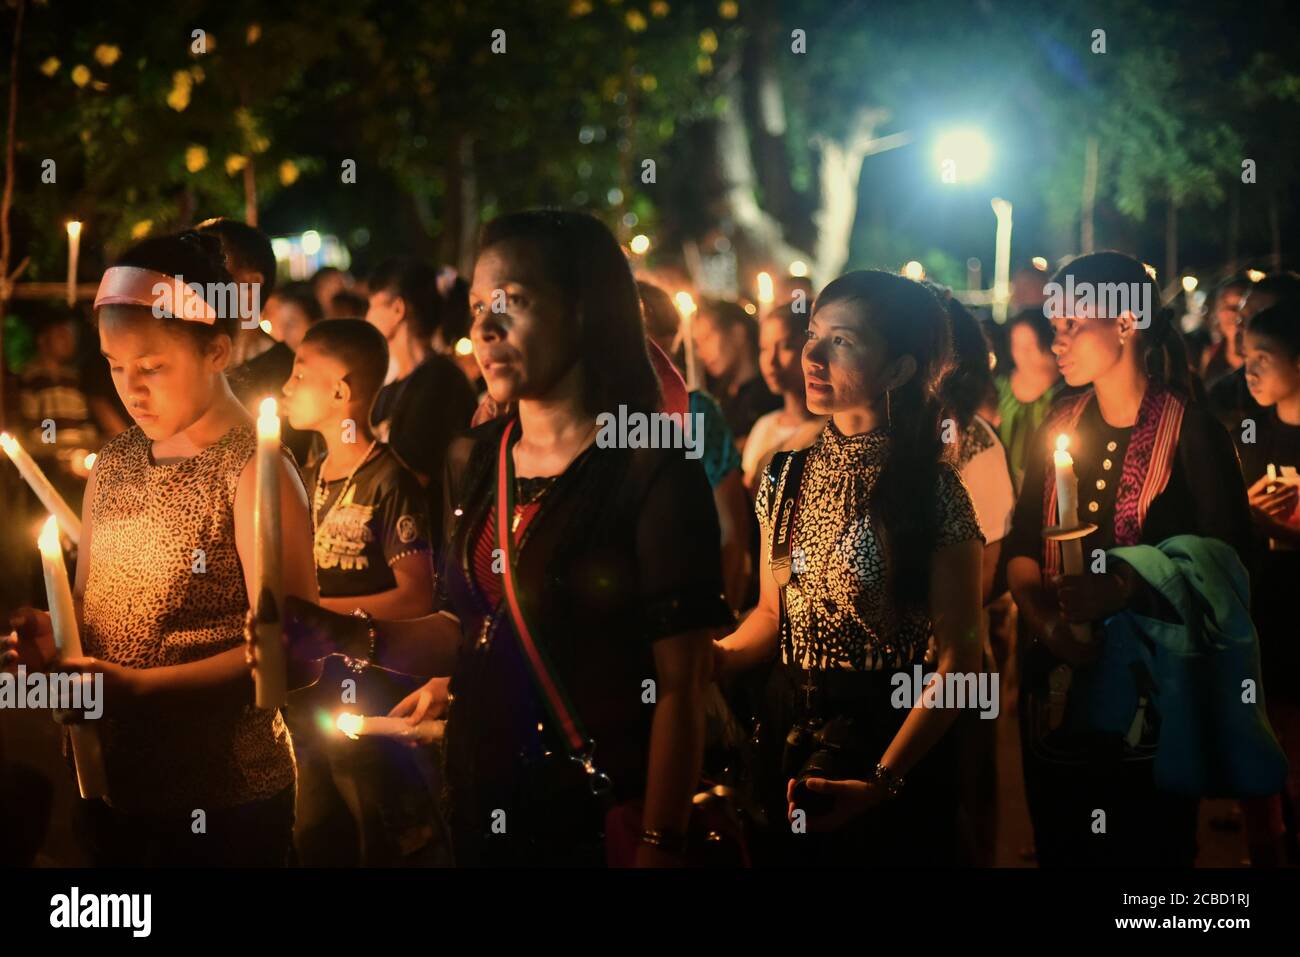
[(844, 359), (1086, 346), (163, 376), (524, 338)]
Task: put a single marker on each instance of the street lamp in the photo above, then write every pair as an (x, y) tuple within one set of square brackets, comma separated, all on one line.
[(962, 155)]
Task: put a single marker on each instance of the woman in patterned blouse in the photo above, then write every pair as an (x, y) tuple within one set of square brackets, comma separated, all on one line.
[(880, 517)]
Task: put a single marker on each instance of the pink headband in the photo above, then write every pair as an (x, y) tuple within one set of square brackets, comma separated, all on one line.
[(169, 295)]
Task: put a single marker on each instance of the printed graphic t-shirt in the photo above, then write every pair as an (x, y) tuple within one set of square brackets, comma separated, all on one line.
[(361, 535)]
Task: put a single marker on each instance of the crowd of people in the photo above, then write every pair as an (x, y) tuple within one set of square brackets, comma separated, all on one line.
[(619, 654)]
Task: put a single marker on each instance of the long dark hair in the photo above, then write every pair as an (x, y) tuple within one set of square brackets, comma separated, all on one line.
[(969, 383), (1164, 355), (912, 321), (581, 256)]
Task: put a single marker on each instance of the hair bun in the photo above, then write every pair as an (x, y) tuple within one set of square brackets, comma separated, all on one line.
[(206, 243)]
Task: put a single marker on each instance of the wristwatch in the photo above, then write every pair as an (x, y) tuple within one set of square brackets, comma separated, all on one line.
[(358, 665), (887, 779)]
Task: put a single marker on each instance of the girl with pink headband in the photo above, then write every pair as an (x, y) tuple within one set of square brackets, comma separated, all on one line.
[(163, 581)]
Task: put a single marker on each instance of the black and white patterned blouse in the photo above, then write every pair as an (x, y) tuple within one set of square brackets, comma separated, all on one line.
[(841, 614)]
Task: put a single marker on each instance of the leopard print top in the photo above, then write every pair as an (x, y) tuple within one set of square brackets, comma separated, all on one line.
[(838, 602), (153, 599)]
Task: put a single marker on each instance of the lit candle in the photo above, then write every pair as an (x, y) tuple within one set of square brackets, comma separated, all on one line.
[(1272, 477), (46, 492), (686, 308), (356, 726), (766, 293), (1067, 485), (1067, 518), (74, 253), (63, 622), (270, 674)]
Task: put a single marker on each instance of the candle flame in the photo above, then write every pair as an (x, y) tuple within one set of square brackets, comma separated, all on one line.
[(265, 326), (685, 304), (1062, 442), (9, 443), (349, 724), (90, 460), (48, 541), (74, 229), (268, 419), (766, 292)]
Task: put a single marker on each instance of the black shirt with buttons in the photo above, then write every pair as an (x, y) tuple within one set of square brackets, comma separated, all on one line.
[(1205, 494)]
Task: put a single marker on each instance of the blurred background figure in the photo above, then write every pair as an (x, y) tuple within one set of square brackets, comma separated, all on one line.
[(250, 261), (720, 458), (326, 283), (427, 399), (781, 337), (347, 304), (1029, 388), (1213, 347), (726, 343)]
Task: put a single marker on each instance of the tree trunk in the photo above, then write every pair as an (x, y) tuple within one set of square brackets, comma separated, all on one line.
[(1087, 236), (6, 203), (250, 194), (460, 206), (1275, 229), (1234, 227), (1171, 242)]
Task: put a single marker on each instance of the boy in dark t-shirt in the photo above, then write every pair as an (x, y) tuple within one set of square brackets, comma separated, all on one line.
[(365, 801)]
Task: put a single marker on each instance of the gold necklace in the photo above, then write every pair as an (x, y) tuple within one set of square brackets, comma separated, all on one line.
[(318, 497)]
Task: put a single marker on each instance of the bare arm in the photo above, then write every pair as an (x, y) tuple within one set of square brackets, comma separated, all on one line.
[(733, 506), (955, 609), (682, 667), (411, 597), (758, 637)]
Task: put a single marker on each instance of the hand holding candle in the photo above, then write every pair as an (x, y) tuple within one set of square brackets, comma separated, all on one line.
[(356, 726), (270, 677), (91, 778), (41, 485)]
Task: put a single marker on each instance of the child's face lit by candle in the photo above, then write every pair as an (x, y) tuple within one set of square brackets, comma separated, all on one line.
[(845, 360), (315, 393), (1272, 373), (525, 348), (1086, 346), (166, 377)]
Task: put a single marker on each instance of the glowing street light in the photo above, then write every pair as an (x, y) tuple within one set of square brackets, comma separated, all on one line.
[(962, 155)]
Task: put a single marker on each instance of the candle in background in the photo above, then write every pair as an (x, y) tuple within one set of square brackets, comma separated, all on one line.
[(74, 254), (766, 293), (270, 674), (356, 726), (1067, 517), (63, 622), (45, 491), (686, 308)]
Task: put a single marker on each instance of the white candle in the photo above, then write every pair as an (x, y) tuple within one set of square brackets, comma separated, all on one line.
[(46, 492), (766, 293), (686, 308), (1272, 476), (356, 726), (269, 677), (63, 622), (74, 253), (1067, 485), (1067, 517)]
